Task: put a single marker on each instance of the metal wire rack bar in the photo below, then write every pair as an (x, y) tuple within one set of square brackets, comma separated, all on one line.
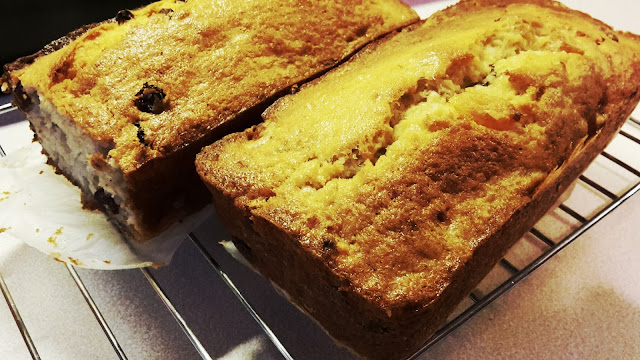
[(225, 278), (18, 319), (634, 120), (620, 163), (473, 297), (5, 108), (598, 187), (535, 232), (479, 304), (96, 312), (509, 266), (7, 295), (183, 324), (508, 284), (630, 137), (574, 214)]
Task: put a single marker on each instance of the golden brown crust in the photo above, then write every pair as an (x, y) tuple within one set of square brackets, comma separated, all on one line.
[(395, 182), (269, 36), (47, 49), (154, 85)]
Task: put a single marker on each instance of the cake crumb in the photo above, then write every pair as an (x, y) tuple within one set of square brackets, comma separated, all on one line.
[(53, 238), (75, 262)]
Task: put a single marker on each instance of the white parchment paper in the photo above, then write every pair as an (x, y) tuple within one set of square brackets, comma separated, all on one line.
[(43, 209)]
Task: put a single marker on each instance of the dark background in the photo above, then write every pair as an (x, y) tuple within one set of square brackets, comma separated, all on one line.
[(27, 25)]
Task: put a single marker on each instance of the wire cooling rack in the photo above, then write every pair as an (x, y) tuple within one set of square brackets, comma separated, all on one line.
[(553, 233)]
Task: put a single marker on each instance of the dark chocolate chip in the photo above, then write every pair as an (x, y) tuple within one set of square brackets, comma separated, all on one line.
[(362, 30), (20, 98), (150, 99), (328, 245), (380, 152), (517, 116), (123, 16), (106, 202), (614, 38), (140, 134), (165, 11), (253, 133)]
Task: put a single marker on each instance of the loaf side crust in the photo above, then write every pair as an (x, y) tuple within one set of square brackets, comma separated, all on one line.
[(380, 194)]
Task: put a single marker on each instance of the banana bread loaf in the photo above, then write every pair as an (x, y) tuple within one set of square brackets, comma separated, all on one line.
[(380, 194), (122, 107)]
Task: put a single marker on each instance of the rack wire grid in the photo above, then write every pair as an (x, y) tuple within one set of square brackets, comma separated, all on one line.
[(207, 305), (538, 246)]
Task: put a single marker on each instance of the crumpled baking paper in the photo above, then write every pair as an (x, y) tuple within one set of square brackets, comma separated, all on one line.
[(43, 209)]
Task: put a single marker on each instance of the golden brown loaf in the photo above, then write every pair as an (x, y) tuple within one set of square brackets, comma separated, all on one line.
[(381, 193), (123, 109)]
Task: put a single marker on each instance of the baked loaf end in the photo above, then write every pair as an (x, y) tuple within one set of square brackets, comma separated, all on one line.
[(379, 195), (122, 107)]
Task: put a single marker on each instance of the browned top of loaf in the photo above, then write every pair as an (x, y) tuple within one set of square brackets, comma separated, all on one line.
[(393, 167), (212, 59)]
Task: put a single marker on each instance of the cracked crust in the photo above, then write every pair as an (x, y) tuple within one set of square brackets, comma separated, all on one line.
[(395, 182)]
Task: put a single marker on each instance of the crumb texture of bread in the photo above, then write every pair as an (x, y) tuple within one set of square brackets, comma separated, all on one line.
[(153, 85), (396, 181)]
